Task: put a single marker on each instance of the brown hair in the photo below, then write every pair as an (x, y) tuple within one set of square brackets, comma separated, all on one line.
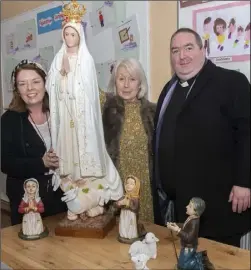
[(240, 28), (207, 20), (248, 27), (17, 104), (232, 21), (219, 21)]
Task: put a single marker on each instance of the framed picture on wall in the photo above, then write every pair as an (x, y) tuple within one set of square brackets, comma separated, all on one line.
[(225, 31), (188, 3)]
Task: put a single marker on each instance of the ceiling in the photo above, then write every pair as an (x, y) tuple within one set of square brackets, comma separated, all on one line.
[(11, 8)]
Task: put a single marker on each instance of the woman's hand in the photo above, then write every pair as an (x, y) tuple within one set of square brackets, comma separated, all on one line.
[(51, 160)]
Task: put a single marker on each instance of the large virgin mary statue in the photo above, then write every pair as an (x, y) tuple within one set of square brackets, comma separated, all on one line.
[(76, 124)]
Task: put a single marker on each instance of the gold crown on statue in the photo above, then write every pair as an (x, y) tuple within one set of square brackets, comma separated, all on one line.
[(73, 12)]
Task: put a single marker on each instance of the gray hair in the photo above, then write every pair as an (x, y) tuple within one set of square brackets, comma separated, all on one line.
[(199, 205), (132, 65), (191, 31)]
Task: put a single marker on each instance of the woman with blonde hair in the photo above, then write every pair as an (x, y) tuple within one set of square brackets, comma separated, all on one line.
[(128, 127)]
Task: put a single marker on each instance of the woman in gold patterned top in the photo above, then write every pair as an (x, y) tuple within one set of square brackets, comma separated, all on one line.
[(128, 127)]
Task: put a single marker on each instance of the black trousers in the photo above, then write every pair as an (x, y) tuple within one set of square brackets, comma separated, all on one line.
[(51, 199)]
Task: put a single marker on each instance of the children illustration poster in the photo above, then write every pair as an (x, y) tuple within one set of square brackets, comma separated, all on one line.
[(225, 31), (105, 14), (102, 17), (127, 39), (10, 43), (26, 35)]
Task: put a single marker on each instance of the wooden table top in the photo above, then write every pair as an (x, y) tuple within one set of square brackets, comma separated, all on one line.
[(54, 252)]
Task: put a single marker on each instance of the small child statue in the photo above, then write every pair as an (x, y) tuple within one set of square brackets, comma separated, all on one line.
[(129, 228), (31, 206), (189, 258)]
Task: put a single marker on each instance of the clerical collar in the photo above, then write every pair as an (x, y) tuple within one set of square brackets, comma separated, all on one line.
[(184, 84), (187, 83), (190, 81)]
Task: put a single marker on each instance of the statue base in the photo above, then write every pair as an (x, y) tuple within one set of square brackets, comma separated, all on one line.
[(34, 237), (86, 227)]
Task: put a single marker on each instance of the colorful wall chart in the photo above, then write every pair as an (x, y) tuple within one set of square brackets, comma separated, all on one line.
[(49, 20), (225, 31)]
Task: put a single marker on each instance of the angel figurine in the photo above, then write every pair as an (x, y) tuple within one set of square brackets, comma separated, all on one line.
[(32, 206), (189, 258), (129, 228)]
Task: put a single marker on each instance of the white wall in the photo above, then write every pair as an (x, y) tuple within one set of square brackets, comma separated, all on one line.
[(185, 19)]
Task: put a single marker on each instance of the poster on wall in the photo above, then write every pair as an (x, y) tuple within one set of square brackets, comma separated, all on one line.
[(10, 43), (188, 3), (106, 14), (127, 39), (26, 35), (104, 71), (49, 20), (46, 57), (9, 64), (243, 67), (225, 31), (102, 17), (120, 8)]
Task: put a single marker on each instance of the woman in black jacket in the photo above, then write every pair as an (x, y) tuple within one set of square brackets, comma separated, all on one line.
[(26, 140)]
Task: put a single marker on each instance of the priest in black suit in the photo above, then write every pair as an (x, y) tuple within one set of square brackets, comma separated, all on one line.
[(202, 142)]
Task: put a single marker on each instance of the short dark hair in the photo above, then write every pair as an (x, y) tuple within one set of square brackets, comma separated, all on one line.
[(240, 28), (232, 21), (207, 20), (219, 21), (247, 27), (191, 31)]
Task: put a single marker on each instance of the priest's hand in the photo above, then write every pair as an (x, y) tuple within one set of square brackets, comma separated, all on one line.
[(240, 198), (51, 160)]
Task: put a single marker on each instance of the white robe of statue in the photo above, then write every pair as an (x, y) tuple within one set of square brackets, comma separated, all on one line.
[(76, 122)]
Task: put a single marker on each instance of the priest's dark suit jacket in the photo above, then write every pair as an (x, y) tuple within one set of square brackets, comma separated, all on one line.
[(212, 150)]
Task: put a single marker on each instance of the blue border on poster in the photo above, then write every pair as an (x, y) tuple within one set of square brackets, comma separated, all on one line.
[(49, 20)]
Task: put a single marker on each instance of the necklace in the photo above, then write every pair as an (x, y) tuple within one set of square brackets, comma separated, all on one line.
[(38, 131)]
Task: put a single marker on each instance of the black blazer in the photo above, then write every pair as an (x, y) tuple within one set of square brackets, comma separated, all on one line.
[(21, 147), (212, 149), (22, 150)]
